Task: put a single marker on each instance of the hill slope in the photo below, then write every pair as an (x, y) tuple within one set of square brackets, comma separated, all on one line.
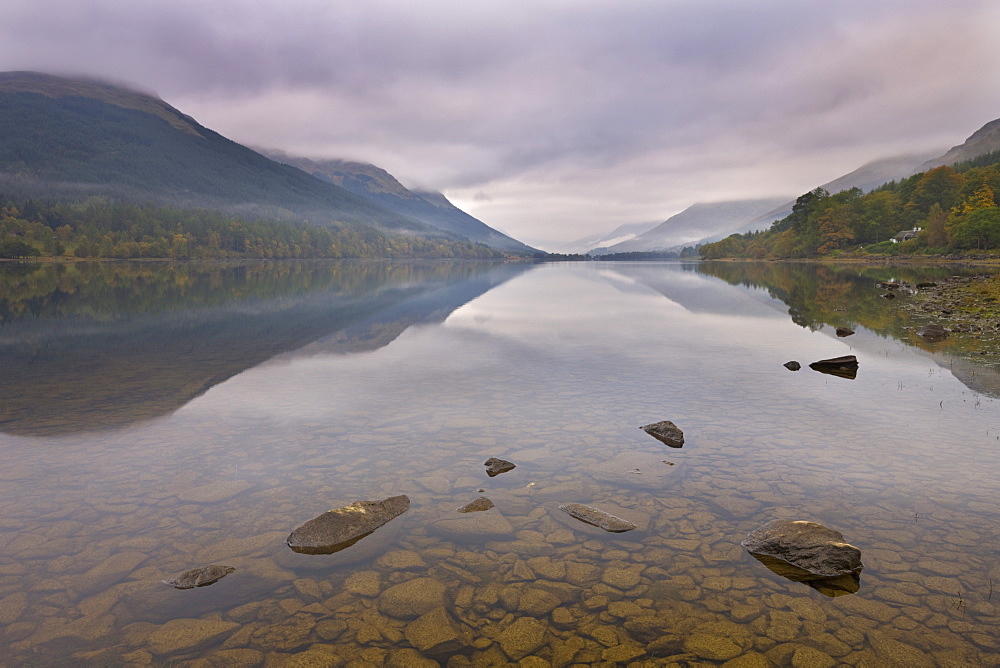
[(984, 140), (697, 222), (75, 137), (379, 186)]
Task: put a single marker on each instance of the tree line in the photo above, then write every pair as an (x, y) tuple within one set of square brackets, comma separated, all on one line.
[(104, 228), (946, 209)]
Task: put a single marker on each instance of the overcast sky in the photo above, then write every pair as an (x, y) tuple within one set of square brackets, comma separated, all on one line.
[(550, 119)]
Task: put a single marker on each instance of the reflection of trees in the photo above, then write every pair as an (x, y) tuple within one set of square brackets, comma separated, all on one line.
[(841, 295), (105, 291)]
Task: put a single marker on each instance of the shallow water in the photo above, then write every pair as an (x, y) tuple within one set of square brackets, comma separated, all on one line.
[(156, 419)]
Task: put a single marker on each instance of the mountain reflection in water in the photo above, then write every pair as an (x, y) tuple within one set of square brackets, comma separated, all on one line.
[(93, 346)]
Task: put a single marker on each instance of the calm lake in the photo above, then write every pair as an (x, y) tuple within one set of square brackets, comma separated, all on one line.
[(156, 418)]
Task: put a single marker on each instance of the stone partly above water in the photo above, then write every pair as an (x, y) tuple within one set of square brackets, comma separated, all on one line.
[(666, 432), (340, 528), (495, 467), (200, 577), (597, 517), (792, 366), (844, 331), (933, 333), (814, 551), (844, 367)]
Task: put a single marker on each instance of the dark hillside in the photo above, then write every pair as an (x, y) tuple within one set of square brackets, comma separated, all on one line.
[(77, 145)]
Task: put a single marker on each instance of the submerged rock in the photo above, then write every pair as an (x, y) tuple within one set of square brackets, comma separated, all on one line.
[(495, 467), (477, 505), (597, 517), (845, 367), (435, 633), (933, 333), (200, 577), (792, 366), (807, 552), (340, 528), (665, 432), (642, 470), (485, 524), (844, 331)]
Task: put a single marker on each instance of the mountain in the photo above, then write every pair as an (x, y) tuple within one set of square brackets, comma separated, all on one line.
[(984, 140), (615, 236), (705, 223), (379, 186), (694, 224), (72, 138)]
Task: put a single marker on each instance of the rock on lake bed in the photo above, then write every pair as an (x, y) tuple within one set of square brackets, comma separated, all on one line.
[(340, 528), (200, 577), (597, 517)]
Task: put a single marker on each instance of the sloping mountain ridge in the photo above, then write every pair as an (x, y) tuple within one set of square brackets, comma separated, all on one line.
[(60, 142), (71, 138), (381, 187), (984, 140)]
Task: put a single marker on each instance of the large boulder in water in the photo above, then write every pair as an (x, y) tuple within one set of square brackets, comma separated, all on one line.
[(815, 552), (495, 466), (340, 528), (845, 366), (666, 432)]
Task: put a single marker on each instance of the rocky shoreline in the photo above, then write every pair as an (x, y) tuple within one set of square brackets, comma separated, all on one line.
[(965, 305)]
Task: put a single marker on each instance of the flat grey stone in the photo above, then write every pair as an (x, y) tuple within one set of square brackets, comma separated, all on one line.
[(597, 517), (200, 577)]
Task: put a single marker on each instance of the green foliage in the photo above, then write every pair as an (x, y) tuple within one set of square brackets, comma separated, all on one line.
[(101, 228), (954, 207), (12, 248)]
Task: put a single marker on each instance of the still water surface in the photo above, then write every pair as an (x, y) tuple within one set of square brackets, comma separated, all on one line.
[(157, 418)]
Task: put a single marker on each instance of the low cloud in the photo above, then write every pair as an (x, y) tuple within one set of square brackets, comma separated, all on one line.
[(574, 116)]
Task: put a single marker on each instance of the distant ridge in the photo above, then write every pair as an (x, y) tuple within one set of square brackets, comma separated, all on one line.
[(697, 222), (616, 236)]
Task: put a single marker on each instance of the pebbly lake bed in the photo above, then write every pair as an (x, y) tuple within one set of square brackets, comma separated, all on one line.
[(159, 418)]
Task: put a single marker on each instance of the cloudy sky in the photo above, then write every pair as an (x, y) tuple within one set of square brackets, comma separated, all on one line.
[(550, 119)]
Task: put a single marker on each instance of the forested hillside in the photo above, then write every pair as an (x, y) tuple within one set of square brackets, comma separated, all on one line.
[(946, 209), (102, 228)]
